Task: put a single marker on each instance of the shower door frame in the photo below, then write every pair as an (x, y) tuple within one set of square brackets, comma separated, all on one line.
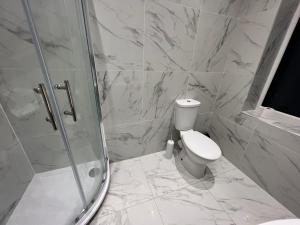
[(90, 208)]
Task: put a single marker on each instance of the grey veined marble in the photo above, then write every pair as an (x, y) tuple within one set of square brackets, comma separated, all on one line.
[(155, 190), (170, 34)]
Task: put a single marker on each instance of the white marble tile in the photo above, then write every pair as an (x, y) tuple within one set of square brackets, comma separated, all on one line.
[(170, 35), (128, 186), (232, 138), (225, 7), (145, 213), (191, 205), (124, 142), (275, 168), (203, 122), (204, 87), (161, 89), (222, 165), (190, 3), (166, 175), (280, 135), (232, 94), (121, 96), (137, 139), (212, 42), (247, 45), (120, 25), (156, 133), (262, 11), (244, 201)]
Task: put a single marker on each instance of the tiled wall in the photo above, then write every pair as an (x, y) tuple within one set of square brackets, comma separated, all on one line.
[(15, 169), (265, 152), (148, 54)]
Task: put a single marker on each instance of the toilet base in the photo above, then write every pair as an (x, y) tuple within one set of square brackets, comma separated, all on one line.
[(195, 169)]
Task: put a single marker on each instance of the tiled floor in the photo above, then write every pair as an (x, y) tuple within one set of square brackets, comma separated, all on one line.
[(153, 190)]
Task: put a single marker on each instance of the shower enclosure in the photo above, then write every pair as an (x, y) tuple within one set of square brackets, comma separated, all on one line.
[(51, 101)]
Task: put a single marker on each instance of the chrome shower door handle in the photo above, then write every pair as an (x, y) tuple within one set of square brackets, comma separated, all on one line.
[(66, 86), (42, 91)]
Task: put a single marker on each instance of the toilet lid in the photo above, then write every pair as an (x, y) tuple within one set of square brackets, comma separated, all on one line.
[(201, 145)]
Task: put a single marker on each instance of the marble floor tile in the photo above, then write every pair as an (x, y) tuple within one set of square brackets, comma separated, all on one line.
[(141, 214), (189, 206), (128, 186), (166, 175), (245, 201), (220, 166), (145, 213)]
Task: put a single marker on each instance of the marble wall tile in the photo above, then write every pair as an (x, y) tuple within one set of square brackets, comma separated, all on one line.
[(262, 11), (204, 87), (203, 122), (279, 135), (133, 140), (15, 169), (225, 7), (57, 39), (248, 42), (156, 134), (189, 3), (120, 96), (232, 138), (233, 91), (170, 35), (244, 201), (124, 142), (161, 89), (275, 168), (212, 42), (16, 46), (121, 29)]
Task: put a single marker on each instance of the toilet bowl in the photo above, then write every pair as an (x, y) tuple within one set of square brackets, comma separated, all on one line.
[(198, 150), (283, 222)]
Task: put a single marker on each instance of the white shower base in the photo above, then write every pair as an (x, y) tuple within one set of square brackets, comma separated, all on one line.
[(52, 197)]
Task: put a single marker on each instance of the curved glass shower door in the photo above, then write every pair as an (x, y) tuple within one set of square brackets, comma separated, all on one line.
[(60, 28), (73, 185)]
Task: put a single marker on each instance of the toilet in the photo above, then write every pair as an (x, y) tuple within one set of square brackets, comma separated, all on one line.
[(198, 150)]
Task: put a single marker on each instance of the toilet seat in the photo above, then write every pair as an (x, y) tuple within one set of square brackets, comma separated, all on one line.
[(200, 145)]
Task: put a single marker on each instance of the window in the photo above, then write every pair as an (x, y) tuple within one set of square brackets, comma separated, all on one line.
[(284, 92)]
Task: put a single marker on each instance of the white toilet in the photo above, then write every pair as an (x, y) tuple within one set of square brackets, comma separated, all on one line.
[(198, 149)]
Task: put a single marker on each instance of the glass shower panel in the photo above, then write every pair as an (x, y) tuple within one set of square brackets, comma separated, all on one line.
[(60, 27), (52, 196)]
